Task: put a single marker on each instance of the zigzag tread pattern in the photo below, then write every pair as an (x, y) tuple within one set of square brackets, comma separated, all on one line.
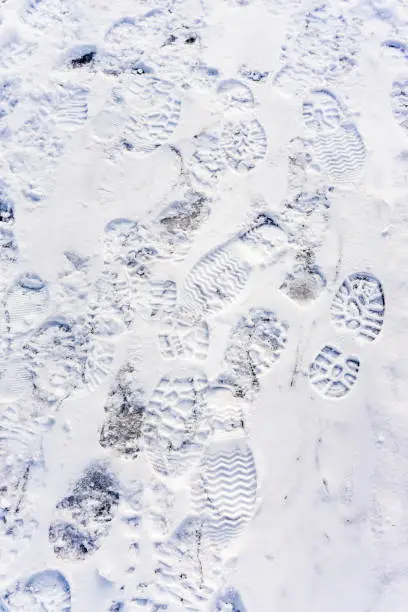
[(341, 154), (215, 281), (225, 492)]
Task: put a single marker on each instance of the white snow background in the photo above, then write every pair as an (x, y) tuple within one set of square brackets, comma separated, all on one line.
[(203, 263)]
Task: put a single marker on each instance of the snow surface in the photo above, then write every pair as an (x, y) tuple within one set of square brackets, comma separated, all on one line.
[(203, 270)]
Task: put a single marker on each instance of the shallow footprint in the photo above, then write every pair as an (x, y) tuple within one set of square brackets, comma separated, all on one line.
[(338, 145), (359, 306), (184, 337), (399, 102), (244, 144), (26, 303), (333, 374), (229, 600), (176, 426), (254, 346), (46, 591), (188, 568), (83, 518)]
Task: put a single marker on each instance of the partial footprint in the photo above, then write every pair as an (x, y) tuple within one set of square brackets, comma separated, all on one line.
[(305, 283), (238, 144), (359, 306), (176, 426), (7, 212), (178, 223), (224, 490), (14, 49), (129, 256), (65, 357), (146, 110), (255, 344), (220, 276), (306, 215), (188, 568), (338, 145), (71, 107), (21, 472), (83, 518), (322, 45), (51, 16), (235, 95), (244, 144), (183, 336), (333, 374), (229, 600), (125, 410), (160, 511), (9, 256), (399, 102), (46, 591), (26, 303)]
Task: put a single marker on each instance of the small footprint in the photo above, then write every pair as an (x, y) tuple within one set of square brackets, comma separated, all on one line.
[(359, 306), (332, 373)]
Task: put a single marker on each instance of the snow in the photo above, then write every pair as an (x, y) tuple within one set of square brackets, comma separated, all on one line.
[(202, 368)]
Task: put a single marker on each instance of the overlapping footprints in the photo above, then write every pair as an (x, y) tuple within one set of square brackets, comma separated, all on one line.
[(321, 45), (176, 424), (357, 309), (239, 142), (254, 346), (218, 278), (21, 472), (146, 111), (45, 591)]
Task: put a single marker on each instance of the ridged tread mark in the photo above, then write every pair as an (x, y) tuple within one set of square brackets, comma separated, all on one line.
[(225, 490), (333, 374), (176, 425), (254, 345), (214, 282), (358, 306), (188, 568), (244, 144)]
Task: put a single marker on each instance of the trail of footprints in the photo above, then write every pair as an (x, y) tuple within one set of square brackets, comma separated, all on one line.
[(58, 342)]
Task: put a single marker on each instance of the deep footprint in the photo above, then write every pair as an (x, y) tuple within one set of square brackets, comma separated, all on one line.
[(83, 518)]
